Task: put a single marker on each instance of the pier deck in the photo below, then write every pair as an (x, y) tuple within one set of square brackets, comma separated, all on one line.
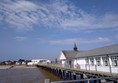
[(72, 75), (80, 71)]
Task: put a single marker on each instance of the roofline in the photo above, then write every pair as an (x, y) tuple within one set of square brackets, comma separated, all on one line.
[(103, 46), (96, 55)]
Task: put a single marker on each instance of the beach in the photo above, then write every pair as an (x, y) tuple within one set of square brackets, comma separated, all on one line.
[(24, 74), (15, 66)]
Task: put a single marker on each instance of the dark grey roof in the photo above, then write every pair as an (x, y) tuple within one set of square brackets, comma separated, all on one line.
[(99, 51), (70, 54)]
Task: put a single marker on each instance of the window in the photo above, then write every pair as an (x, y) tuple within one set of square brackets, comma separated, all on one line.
[(105, 61), (92, 61), (114, 60), (98, 61), (87, 61)]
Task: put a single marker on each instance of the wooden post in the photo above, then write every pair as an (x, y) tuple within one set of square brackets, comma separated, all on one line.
[(109, 65), (96, 68), (47, 81)]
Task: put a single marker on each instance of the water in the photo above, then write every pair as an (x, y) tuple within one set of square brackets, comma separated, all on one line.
[(25, 75)]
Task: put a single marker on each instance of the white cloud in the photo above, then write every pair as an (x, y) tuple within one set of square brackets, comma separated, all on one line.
[(80, 41), (23, 14), (91, 22), (17, 14), (19, 38)]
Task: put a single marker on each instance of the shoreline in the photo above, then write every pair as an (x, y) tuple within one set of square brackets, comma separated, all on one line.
[(15, 66)]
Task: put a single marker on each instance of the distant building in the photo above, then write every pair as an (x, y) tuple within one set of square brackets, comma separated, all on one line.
[(38, 61), (8, 62), (21, 62), (104, 59)]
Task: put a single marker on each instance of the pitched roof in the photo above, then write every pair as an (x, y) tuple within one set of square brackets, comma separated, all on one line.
[(70, 54), (99, 51)]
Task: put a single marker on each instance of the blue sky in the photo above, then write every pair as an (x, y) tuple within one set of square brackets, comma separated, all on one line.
[(32, 29)]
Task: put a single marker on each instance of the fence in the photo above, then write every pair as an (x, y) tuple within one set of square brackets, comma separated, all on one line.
[(92, 80)]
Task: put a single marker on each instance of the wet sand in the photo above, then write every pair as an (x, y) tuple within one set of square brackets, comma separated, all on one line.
[(15, 66), (24, 74), (48, 75)]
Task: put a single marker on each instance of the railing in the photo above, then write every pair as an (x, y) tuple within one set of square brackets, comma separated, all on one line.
[(92, 80), (88, 68), (111, 79)]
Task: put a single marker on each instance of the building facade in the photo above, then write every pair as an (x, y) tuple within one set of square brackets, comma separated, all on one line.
[(104, 59), (67, 57)]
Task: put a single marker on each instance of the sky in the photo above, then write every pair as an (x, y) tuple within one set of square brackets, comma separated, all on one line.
[(41, 29)]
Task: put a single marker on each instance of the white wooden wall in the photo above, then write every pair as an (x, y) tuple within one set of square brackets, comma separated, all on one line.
[(102, 68)]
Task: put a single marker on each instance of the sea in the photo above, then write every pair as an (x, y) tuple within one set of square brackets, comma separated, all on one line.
[(25, 75)]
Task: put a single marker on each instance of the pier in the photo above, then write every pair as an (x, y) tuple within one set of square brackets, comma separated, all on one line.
[(72, 75)]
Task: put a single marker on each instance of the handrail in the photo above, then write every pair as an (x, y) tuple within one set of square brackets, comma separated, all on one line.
[(79, 70), (88, 80)]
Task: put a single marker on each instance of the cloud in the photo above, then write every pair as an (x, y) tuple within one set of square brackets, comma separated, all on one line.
[(24, 14), (19, 38), (92, 22), (18, 14), (80, 41)]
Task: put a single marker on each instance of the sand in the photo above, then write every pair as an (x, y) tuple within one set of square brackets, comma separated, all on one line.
[(15, 66)]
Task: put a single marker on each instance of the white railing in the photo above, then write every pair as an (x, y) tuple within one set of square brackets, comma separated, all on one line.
[(105, 69)]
